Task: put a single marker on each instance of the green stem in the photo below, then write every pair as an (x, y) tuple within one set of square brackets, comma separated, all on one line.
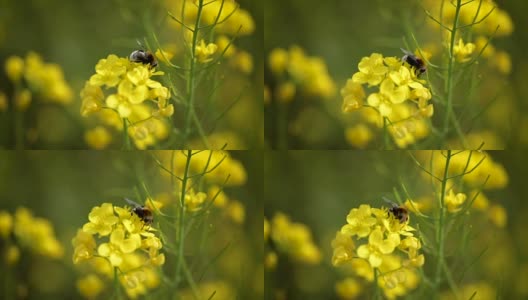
[(201, 132), (117, 288), (126, 137), (191, 74), (449, 83), (181, 219), (440, 232)]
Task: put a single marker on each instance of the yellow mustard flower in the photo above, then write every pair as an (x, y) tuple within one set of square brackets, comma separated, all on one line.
[(348, 288), (378, 246), (193, 200), (124, 241), (204, 52), (390, 248), (23, 100), (343, 247), (285, 92), (98, 138), (129, 92), (463, 52), (14, 67), (309, 73), (359, 136), (32, 233), (12, 255), (371, 70), (6, 224), (242, 61), (294, 239), (270, 261), (235, 211), (479, 163), (90, 286), (217, 165), (400, 98), (454, 201), (353, 96), (360, 221), (229, 18), (278, 60), (47, 80), (498, 216)]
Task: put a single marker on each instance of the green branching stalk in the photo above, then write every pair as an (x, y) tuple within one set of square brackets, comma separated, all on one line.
[(440, 232), (450, 67), (191, 77), (181, 220)]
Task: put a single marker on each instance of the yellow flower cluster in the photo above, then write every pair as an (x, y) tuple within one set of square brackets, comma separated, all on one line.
[(293, 239), (294, 68), (219, 169), (239, 59), (488, 21), (128, 88), (23, 230), (217, 166), (401, 104), (230, 18), (44, 80), (477, 164), (478, 172), (125, 247), (368, 244)]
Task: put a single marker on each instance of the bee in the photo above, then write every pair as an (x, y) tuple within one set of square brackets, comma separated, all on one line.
[(144, 57), (144, 213), (414, 61), (399, 212)]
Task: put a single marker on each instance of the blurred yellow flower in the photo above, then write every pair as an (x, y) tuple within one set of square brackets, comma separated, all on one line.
[(98, 138), (35, 234), (359, 136), (309, 73), (236, 212), (14, 67), (348, 289), (453, 202), (23, 100), (463, 52), (294, 239), (498, 216), (204, 52), (90, 286), (6, 224)]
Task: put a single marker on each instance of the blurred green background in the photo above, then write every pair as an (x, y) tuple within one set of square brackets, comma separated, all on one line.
[(63, 186), (341, 32), (76, 34), (319, 188)]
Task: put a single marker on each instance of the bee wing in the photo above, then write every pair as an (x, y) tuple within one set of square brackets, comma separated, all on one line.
[(388, 200), (132, 202), (406, 52)]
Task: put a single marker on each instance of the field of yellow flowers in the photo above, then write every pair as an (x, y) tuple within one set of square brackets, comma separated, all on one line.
[(379, 146)]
